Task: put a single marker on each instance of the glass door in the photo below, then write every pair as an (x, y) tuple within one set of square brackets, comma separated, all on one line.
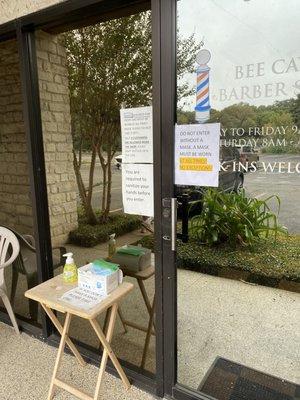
[(99, 166), (237, 184)]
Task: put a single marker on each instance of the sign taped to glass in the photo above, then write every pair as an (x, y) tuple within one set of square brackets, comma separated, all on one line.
[(197, 154)]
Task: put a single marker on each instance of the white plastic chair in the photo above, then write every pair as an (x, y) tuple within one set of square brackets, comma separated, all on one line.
[(9, 251)]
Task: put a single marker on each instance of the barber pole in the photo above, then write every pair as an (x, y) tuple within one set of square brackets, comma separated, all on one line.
[(202, 101)]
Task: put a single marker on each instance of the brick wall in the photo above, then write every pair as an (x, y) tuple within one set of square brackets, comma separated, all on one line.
[(56, 119), (15, 203)]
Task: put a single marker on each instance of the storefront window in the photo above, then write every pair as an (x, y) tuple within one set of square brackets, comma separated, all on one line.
[(239, 264)]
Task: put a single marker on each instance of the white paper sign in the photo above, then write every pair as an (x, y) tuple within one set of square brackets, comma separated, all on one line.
[(82, 298), (137, 135), (137, 189), (197, 148)]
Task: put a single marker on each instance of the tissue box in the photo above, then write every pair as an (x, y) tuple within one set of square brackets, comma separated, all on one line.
[(102, 285), (133, 263)]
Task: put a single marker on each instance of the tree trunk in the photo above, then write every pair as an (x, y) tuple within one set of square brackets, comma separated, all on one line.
[(109, 183), (80, 184), (110, 136), (86, 202), (91, 175), (91, 217), (108, 194), (104, 171)]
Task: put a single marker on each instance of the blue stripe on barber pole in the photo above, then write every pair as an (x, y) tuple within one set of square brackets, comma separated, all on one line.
[(202, 99), (205, 83)]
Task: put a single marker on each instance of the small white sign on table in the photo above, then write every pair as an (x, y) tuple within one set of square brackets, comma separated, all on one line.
[(82, 298), (137, 135), (197, 149), (137, 189)]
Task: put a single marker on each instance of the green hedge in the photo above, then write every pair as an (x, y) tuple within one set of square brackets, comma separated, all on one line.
[(272, 260), (90, 235)]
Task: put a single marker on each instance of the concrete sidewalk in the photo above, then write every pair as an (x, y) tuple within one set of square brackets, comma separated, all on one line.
[(253, 325), (26, 366)]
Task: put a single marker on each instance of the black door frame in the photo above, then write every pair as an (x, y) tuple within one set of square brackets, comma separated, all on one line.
[(167, 112), (36, 159)]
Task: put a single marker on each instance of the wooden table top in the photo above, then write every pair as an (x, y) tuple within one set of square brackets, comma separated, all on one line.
[(50, 292)]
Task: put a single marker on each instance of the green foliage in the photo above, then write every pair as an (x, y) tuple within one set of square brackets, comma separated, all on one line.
[(90, 235), (240, 115), (268, 259), (185, 117), (275, 117), (276, 260), (296, 111), (291, 106), (284, 113), (148, 242), (110, 63), (277, 150), (234, 218), (187, 48), (110, 67)]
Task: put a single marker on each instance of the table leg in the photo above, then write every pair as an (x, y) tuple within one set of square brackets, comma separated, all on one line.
[(144, 294), (59, 354), (146, 298), (122, 319), (108, 352), (105, 324), (106, 321), (59, 327), (148, 337)]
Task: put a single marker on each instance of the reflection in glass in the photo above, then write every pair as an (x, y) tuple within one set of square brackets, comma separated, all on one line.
[(238, 276)]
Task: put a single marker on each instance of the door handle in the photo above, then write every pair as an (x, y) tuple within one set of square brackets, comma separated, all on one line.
[(173, 223)]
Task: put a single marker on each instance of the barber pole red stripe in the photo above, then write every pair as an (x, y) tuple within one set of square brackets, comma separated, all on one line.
[(202, 94), (202, 97), (200, 77)]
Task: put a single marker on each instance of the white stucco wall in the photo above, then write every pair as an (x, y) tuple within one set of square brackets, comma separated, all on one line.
[(11, 9)]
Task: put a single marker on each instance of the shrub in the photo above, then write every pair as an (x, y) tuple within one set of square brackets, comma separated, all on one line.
[(234, 218), (147, 241), (268, 260), (90, 235)]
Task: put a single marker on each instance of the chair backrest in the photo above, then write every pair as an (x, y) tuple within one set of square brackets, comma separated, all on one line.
[(27, 251), (9, 247), (24, 239)]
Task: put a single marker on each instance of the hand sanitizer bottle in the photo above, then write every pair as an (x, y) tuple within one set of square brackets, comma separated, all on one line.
[(70, 274)]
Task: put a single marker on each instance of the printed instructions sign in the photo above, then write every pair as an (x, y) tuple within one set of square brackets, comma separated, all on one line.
[(137, 135), (137, 189), (197, 154)]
